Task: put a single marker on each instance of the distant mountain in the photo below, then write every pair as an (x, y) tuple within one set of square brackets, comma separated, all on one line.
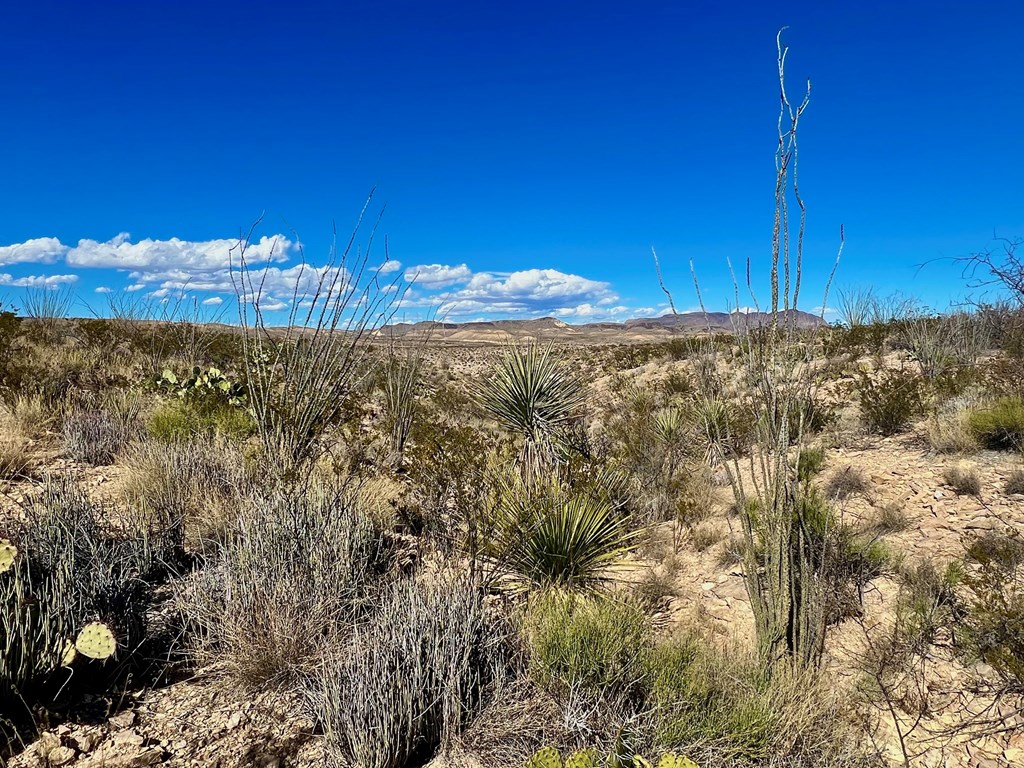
[(637, 329)]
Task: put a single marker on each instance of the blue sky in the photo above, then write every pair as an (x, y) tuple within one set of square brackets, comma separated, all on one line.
[(530, 154)]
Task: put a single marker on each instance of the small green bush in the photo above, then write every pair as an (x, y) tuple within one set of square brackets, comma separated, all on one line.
[(586, 643), (1015, 482), (178, 420), (809, 463), (890, 398), (1000, 426)]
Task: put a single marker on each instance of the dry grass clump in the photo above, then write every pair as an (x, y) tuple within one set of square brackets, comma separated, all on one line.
[(948, 429), (15, 449), (963, 480), (1015, 482), (193, 491), (290, 573), (890, 518), (98, 433), (407, 681), (846, 482)]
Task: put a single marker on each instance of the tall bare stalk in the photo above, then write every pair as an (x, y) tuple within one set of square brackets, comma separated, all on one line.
[(299, 376), (785, 561)]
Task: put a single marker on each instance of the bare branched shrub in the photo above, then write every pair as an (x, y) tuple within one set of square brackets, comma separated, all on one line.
[(856, 307), (98, 432), (46, 307), (299, 377), (845, 482), (406, 681)]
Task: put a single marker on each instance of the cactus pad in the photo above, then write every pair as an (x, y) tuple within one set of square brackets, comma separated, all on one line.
[(545, 757), (639, 761), (674, 760), (585, 758), (8, 554), (96, 641)]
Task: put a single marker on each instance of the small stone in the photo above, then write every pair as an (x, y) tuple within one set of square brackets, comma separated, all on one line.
[(123, 720), (61, 756), (84, 741)]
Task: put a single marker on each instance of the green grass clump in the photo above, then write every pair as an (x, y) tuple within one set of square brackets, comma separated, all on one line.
[(179, 420), (889, 399), (586, 643), (1001, 425)]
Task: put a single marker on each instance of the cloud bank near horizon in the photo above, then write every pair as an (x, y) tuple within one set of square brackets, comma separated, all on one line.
[(209, 271)]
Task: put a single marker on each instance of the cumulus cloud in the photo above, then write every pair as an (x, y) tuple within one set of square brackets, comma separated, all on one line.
[(438, 275), (391, 265), (213, 301), (154, 255), (103, 289), (37, 281), (41, 250)]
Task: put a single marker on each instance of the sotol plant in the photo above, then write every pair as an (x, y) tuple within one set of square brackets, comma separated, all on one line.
[(531, 394)]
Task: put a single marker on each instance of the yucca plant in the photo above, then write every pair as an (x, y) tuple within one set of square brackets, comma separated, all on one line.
[(531, 394), (548, 535), (401, 384)]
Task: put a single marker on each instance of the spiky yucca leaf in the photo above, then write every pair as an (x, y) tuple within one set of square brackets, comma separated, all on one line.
[(532, 394), (547, 535)]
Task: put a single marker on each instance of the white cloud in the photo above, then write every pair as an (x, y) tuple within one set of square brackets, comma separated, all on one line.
[(391, 265), (154, 255), (37, 281), (41, 250), (104, 289), (438, 275), (135, 287), (213, 301)]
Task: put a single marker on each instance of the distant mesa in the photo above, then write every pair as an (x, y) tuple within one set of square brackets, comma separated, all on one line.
[(637, 329)]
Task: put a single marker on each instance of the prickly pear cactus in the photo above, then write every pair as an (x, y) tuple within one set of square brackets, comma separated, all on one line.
[(674, 760), (8, 554), (96, 641), (639, 761), (585, 758), (545, 757)]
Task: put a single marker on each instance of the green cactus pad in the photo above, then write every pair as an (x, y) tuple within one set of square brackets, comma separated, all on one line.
[(639, 761), (585, 758), (8, 554), (545, 757), (96, 641), (674, 760)]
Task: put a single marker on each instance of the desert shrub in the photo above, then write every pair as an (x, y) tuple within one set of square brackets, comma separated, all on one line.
[(586, 645), (809, 463), (963, 480), (1001, 425), (734, 551), (447, 464), (846, 482), (97, 433), (720, 707), (993, 628), (408, 679), (1015, 482), (548, 534), (889, 399), (289, 575)]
